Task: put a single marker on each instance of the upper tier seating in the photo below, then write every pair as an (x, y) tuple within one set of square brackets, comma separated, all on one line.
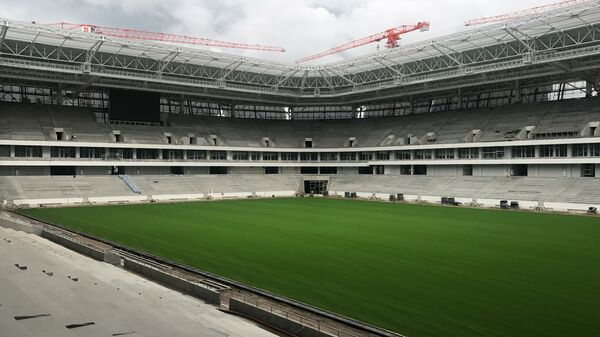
[(540, 120)]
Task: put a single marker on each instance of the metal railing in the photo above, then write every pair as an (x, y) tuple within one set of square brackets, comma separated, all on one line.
[(293, 316)]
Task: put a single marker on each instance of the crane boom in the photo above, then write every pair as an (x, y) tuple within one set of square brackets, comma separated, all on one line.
[(525, 12), (392, 35), (164, 37)]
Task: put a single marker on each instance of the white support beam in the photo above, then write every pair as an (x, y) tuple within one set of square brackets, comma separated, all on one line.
[(3, 32), (164, 63)]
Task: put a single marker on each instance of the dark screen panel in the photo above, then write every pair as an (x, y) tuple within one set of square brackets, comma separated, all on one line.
[(130, 105)]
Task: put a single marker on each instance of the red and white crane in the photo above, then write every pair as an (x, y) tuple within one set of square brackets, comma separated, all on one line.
[(164, 37), (525, 12), (392, 35)]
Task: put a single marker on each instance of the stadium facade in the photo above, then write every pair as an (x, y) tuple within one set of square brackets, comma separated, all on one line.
[(503, 111)]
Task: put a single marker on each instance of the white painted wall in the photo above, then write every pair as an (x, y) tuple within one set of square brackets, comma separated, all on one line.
[(444, 171), (491, 170)]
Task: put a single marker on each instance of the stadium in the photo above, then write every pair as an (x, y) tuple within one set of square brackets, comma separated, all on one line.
[(447, 187)]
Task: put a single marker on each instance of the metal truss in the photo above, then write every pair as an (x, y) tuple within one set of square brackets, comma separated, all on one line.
[(519, 49)]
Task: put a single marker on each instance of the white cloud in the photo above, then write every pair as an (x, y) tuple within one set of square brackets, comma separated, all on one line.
[(303, 27)]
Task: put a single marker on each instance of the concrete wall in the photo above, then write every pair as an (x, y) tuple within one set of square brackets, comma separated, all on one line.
[(289, 170), (32, 171), (196, 170), (491, 170), (444, 171), (557, 171), (282, 323), (198, 291), (390, 170), (7, 222), (76, 246), (7, 171), (246, 170), (147, 170), (93, 171)]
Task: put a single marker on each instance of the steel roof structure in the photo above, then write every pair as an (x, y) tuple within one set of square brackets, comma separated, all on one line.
[(558, 43)]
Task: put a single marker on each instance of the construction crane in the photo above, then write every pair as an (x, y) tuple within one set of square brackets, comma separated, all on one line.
[(392, 35), (525, 12), (164, 37)]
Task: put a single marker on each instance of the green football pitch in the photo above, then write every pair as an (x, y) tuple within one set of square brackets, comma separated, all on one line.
[(422, 271)]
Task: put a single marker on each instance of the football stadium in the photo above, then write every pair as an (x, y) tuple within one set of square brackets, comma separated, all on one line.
[(445, 187)]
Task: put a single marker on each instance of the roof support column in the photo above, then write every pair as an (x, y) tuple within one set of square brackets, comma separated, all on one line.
[(518, 97)]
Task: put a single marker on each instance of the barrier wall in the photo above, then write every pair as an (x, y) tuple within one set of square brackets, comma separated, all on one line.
[(488, 203), (197, 290), (280, 322), (76, 246), (7, 222), (145, 198), (48, 202)]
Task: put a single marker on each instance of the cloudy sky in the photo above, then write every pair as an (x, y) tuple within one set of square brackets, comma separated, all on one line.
[(303, 27)]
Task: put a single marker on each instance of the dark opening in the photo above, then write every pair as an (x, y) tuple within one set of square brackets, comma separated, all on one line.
[(118, 138), (169, 139), (177, 170), (518, 170), (420, 170), (309, 170), (588, 170), (217, 170), (60, 136), (467, 170), (406, 170), (365, 170), (308, 143), (379, 169), (131, 105), (271, 170), (63, 171), (328, 170), (266, 142), (315, 186), (117, 170), (192, 140), (214, 139), (351, 143)]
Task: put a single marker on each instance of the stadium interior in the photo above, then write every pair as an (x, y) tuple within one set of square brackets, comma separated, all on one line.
[(505, 113)]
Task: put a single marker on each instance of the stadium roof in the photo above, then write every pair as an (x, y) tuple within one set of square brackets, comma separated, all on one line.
[(562, 41)]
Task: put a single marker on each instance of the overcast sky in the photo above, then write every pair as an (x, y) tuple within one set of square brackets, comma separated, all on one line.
[(303, 27)]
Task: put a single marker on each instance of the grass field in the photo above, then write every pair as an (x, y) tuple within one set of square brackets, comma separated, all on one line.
[(422, 271)]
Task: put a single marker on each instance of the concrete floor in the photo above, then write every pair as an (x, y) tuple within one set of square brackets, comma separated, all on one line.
[(118, 302)]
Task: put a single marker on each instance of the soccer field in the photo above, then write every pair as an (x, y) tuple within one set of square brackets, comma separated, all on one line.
[(422, 271)]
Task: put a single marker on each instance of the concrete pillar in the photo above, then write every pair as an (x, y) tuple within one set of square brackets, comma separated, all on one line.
[(518, 98), (507, 152)]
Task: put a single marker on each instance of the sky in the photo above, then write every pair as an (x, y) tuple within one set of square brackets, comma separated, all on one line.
[(303, 27)]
